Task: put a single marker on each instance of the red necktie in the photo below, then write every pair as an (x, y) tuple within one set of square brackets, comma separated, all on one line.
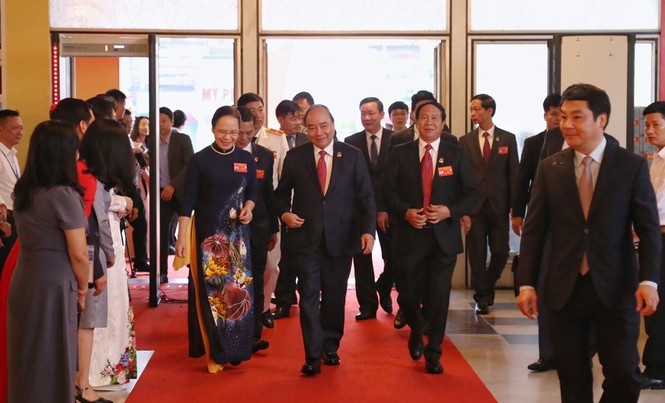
[(585, 187), (322, 170), (487, 151), (427, 175)]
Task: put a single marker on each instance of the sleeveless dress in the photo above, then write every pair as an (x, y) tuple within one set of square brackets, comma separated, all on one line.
[(221, 294)]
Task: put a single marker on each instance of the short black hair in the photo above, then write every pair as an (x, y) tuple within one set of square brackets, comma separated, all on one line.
[(247, 98), (553, 100), (656, 107), (222, 111), (102, 107), (433, 103), (245, 114), (285, 107), (166, 111), (486, 102), (398, 105), (8, 113), (72, 110), (367, 100), (179, 118), (597, 99), (422, 95), (304, 95), (118, 95)]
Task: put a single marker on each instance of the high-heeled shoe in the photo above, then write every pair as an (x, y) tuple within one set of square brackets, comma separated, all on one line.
[(80, 398)]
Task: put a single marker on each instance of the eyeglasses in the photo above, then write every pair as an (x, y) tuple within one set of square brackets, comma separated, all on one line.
[(225, 132)]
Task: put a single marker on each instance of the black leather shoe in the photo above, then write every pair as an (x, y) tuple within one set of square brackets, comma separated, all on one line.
[(364, 316), (281, 312), (141, 265), (386, 302), (652, 383), (400, 321), (267, 319), (541, 365), (260, 344), (416, 346), (311, 367), (163, 278), (433, 367), (482, 309), (330, 358), (171, 250)]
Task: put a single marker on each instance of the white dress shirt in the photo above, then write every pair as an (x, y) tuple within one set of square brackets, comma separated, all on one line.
[(481, 139), (433, 152), (9, 174), (657, 173), (329, 160)]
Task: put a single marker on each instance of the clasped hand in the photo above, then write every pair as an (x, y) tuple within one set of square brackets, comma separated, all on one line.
[(432, 214)]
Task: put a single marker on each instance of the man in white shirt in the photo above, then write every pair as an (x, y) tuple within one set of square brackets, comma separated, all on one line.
[(11, 133)]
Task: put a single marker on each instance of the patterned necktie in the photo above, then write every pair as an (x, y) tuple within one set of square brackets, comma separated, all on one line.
[(585, 188), (487, 151), (373, 151), (427, 175), (322, 170), (291, 139)]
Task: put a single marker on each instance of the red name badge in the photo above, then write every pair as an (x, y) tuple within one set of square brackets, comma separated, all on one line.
[(260, 173), (238, 167), (445, 171), (503, 150)]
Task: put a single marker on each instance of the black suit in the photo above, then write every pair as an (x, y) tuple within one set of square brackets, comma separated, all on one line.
[(285, 289), (363, 267), (425, 258), (322, 248), (180, 151), (264, 223), (622, 198), (489, 220)]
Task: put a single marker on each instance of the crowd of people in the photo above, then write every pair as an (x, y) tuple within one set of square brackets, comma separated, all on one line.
[(267, 212)]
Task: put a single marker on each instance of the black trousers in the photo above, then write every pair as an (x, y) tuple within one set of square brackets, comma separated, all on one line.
[(285, 289), (617, 334), (653, 356), (259, 254), (487, 228), (425, 275), (168, 209), (384, 284), (323, 276)]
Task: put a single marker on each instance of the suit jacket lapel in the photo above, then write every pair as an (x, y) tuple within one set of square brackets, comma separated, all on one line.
[(310, 164), (475, 147), (605, 175), (569, 179), (383, 152), (337, 165), (496, 143), (414, 155)]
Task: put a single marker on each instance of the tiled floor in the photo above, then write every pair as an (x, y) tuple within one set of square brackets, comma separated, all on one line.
[(498, 346)]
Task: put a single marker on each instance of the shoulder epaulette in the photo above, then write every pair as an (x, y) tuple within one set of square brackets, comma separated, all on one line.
[(274, 131)]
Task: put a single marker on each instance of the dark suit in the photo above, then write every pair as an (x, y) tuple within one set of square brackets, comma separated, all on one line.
[(180, 151), (489, 220), (363, 267), (322, 248), (425, 258), (264, 223), (622, 198), (285, 289)]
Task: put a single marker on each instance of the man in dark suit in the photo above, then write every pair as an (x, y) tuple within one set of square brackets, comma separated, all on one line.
[(264, 225), (373, 142), (653, 355), (533, 152), (175, 150), (430, 185), (326, 201), (588, 199), (283, 283), (493, 156)]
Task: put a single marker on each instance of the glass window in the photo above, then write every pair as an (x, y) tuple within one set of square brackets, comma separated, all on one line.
[(645, 76), (172, 15), (354, 15), (564, 15), (196, 75), (341, 72)]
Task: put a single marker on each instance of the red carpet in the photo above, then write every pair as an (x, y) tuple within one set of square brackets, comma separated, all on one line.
[(375, 364)]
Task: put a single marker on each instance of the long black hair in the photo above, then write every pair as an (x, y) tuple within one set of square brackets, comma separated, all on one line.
[(106, 151), (51, 162)]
